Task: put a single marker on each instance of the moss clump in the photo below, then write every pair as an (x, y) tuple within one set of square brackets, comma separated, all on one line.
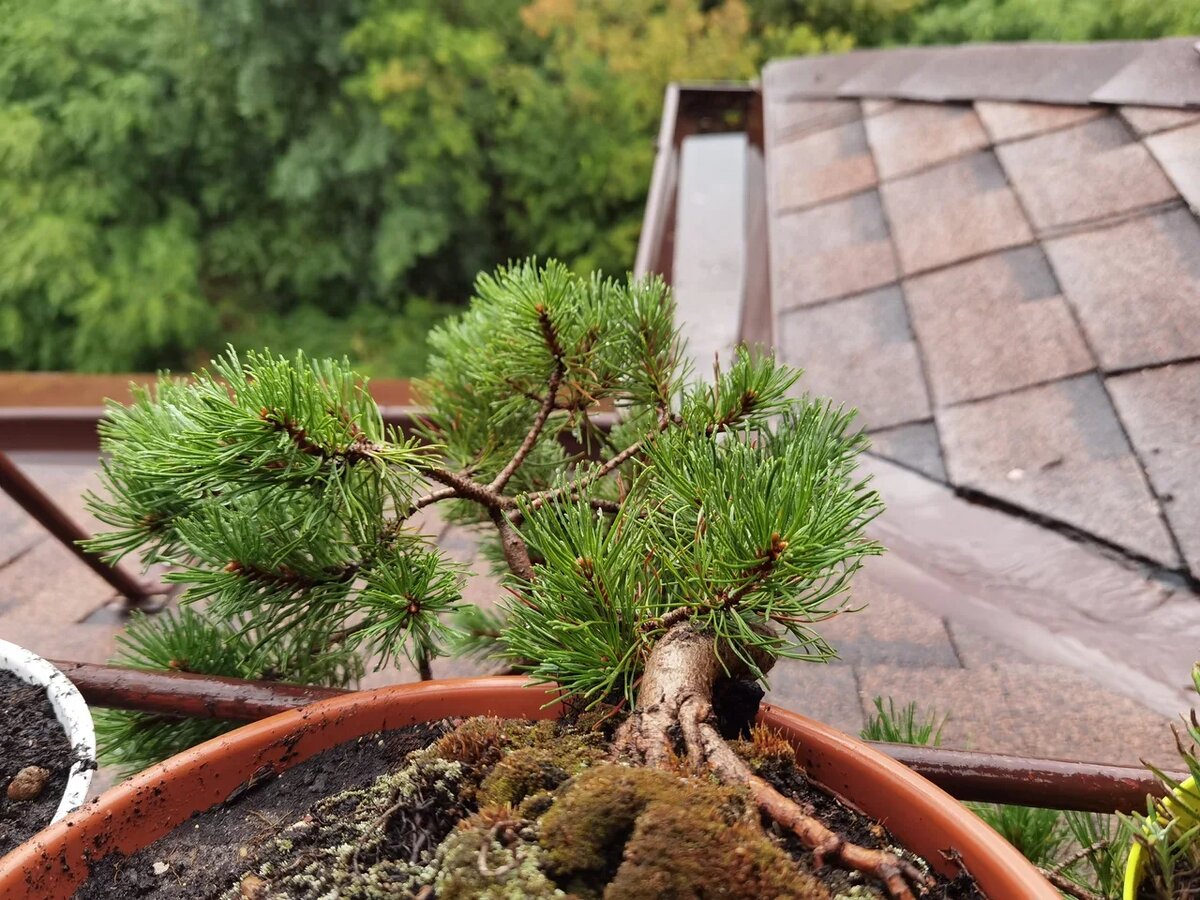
[(512, 863), (648, 833), (767, 751), (494, 757), (534, 770), (674, 852)]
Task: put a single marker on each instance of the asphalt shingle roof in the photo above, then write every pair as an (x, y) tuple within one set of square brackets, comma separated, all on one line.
[(993, 251)]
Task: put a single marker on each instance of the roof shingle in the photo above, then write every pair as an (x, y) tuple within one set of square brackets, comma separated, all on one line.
[(1044, 251), (847, 250), (958, 210), (994, 325), (1083, 173), (913, 136), (1136, 287), (834, 162), (861, 351), (1058, 450)]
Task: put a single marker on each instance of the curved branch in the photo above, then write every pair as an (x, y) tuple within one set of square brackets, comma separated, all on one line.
[(549, 402), (516, 554), (540, 498)]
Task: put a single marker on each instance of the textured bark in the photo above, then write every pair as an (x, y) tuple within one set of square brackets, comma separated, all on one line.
[(675, 704)]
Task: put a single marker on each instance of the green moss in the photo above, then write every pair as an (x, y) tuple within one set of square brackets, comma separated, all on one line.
[(512, 871), (674, 849), (505, 761), (651, 833), (532, 770)]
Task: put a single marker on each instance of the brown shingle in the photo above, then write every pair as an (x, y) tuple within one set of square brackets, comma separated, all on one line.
[(1178, 152), (1161, 411), (1083, 173), (1044, 73), (1058, 450), (788, 118), (1164, 73), (1150, 119), (875, 107), (1136, 287), (815, 76), (917, 135), (994, 325), (860, 352), (958, 210), (879, 76), (1012, 121), (821, 166), (833, 250)]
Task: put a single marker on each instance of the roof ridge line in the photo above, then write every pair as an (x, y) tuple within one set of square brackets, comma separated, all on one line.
[(1164, 72)]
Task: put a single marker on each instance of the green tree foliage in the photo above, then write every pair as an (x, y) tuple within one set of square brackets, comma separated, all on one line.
[(176, 174), (959, 21)]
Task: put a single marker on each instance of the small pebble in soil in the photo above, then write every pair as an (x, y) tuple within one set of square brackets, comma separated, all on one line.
[(161, 868), (28, 784)]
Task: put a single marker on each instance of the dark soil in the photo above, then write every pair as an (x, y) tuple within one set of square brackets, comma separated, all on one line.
[(30, 736), (1186, 886), (203, 857), (199, 861)]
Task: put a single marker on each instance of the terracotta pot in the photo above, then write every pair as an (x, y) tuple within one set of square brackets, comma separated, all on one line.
[(147, 806)]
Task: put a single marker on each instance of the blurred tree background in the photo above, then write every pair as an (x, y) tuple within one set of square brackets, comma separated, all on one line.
[(330, 174)]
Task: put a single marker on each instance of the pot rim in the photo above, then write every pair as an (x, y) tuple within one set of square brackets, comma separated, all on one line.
[(912, 807), (72, 714)]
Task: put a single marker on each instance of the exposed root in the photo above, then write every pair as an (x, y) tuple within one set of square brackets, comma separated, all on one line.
[(674, 699)]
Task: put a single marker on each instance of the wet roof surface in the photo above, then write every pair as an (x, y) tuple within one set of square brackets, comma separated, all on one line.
[(993, 252)]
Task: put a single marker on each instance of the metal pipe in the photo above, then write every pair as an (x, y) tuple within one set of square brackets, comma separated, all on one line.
[(963, 774), (1051, 783), (34, 501), (187, 695)]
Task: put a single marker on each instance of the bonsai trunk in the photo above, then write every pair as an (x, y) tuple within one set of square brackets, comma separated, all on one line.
[(674, 706)]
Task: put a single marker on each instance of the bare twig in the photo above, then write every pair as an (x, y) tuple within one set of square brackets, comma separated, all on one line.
[(432, 497), (464, 487), (1068, 887), (1081, 853)]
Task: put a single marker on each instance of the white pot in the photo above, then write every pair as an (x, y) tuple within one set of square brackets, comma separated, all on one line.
[(72, 713)]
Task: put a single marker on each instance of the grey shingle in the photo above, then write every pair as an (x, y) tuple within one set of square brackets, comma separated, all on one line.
[(1136, 288), (1059, 450)]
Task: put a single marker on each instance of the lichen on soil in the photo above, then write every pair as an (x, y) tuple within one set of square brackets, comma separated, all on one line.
[(497, 809), (31, 737)]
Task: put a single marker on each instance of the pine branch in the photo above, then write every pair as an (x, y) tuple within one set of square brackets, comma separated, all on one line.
[(573, 489), (759, 573), (548, 404), (464, 487), (360, 448), (516, 554)]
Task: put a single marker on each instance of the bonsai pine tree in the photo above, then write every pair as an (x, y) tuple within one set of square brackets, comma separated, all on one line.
[(699, 538)]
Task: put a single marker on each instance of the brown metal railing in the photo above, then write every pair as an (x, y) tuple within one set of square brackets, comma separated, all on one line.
[(968, 776)]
